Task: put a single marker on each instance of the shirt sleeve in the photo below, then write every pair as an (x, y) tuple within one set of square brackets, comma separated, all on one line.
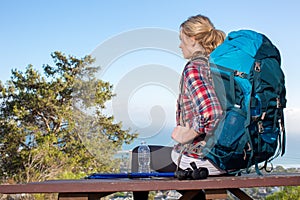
[(206, 106)]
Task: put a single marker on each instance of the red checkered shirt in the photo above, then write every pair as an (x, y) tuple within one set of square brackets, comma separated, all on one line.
[(197, 103)]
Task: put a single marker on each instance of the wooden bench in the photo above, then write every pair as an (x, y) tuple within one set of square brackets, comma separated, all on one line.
[(92, 189)]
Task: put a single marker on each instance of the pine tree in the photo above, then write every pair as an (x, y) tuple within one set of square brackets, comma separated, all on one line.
[(53, 126)]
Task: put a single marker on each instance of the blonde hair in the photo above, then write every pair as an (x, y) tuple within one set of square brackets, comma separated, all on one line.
[(204, 32)]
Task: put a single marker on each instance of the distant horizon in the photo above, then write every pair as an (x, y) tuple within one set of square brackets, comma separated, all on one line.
[(290, 158), (275, 163)]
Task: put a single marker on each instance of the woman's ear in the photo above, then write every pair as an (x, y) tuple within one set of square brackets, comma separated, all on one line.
[(193, 41)]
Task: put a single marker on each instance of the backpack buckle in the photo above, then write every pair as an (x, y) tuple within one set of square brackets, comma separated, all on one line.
[(257, 67), (260, 127), (240, 74), (278, 103)]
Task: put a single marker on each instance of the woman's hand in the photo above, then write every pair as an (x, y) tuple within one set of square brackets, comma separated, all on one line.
[(183, 134)]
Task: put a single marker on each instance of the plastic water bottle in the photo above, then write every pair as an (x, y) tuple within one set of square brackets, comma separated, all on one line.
[(144, 158)]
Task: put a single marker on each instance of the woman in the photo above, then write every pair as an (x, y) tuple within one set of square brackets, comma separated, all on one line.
[(198, 109)]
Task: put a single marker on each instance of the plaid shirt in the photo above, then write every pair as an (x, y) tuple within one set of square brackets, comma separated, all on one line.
[(197, 104)]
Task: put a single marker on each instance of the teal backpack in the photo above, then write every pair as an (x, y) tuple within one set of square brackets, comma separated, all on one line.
[(250, 85)]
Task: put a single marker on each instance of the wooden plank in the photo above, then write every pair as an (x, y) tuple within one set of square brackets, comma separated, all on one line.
[(81, 196), (192, 194), (216, 194), (239, 194), (119, 185), (209, 194)]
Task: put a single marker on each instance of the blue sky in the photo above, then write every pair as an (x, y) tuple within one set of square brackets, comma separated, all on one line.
[(32, 30)]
